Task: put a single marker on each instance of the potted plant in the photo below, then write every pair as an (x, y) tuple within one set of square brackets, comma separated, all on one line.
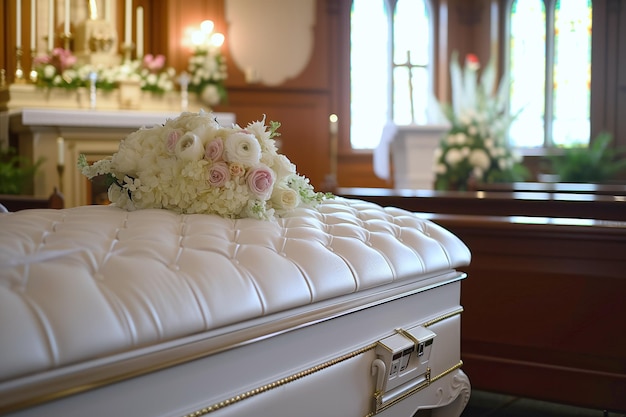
[(598, 162), (15, 171)]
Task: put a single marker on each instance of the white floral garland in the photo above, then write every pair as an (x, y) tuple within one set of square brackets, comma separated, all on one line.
[(191, 164)]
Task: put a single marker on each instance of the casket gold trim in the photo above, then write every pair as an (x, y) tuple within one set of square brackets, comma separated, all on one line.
[(328, 364)]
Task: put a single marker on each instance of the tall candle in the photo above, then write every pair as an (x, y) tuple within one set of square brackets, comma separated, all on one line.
[(66, 26), (128, 15), (50, 25), (107, 10), (33, 26), (139, 29), (18, 23)]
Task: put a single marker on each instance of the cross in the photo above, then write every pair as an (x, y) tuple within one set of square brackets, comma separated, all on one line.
[(410, 67)]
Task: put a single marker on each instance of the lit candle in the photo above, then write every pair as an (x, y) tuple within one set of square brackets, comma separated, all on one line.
[(18, 23), (60, 151), (128, 22), (50, 25), (33, 26), (66, 26), (334, 129), (139, 30)]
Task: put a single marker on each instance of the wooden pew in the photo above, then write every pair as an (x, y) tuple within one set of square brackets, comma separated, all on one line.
[(14, 202), (556, 187), (545, 310), (545, 300), (497, 203)]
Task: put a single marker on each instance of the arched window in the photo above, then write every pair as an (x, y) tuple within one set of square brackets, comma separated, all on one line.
[(550, 68), (390, 62)]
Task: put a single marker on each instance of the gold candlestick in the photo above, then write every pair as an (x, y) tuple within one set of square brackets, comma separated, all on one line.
[(19, 73), (33, 72), (127, 49), (66, 37)]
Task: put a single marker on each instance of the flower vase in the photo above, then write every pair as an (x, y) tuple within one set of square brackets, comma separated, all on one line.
[(130, 94)]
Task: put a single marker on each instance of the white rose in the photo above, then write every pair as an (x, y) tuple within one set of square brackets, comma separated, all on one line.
[(242, 148), (284, 198)]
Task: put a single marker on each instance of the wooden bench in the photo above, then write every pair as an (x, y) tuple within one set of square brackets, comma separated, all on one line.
[(545, 309), (545, 313), (22, 202), (497, 203)]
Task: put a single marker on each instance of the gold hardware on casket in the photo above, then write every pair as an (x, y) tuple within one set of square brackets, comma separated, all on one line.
[(378, 396)]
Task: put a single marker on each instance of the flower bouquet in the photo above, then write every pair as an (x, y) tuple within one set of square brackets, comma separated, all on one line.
[(207, 67), (475, 148), (191, 164)]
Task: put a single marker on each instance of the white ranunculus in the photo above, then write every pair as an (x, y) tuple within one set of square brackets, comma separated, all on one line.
[(242, 148), (441, 169), (189, 147)]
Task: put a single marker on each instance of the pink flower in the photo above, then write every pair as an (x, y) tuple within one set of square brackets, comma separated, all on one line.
[(153, 63), (214, 150), (261, 182), (172, 140), (218, 174)]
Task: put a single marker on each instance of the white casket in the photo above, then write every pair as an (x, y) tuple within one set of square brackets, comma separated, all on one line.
[(349, 309)]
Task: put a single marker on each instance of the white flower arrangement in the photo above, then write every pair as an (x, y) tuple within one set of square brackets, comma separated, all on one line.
[(208, 70), (60, 69), (475, 148), (191, 164)]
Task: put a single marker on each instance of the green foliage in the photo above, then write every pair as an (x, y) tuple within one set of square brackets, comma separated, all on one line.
[(596, 163), (15, 171)]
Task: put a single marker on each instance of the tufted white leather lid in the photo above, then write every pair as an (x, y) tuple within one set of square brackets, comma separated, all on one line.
[(87, 282)]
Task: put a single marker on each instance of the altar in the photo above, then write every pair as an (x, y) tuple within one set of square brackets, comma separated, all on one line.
[(60, 135)]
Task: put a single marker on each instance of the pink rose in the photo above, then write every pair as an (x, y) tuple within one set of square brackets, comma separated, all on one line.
[(218, 174), (261, 181), (172, 140), (214, 150)]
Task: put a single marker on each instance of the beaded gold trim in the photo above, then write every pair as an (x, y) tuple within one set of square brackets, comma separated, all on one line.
[(324, 365)]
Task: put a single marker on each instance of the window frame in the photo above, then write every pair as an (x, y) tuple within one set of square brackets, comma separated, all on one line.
[(548, 146), (432, 66)]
